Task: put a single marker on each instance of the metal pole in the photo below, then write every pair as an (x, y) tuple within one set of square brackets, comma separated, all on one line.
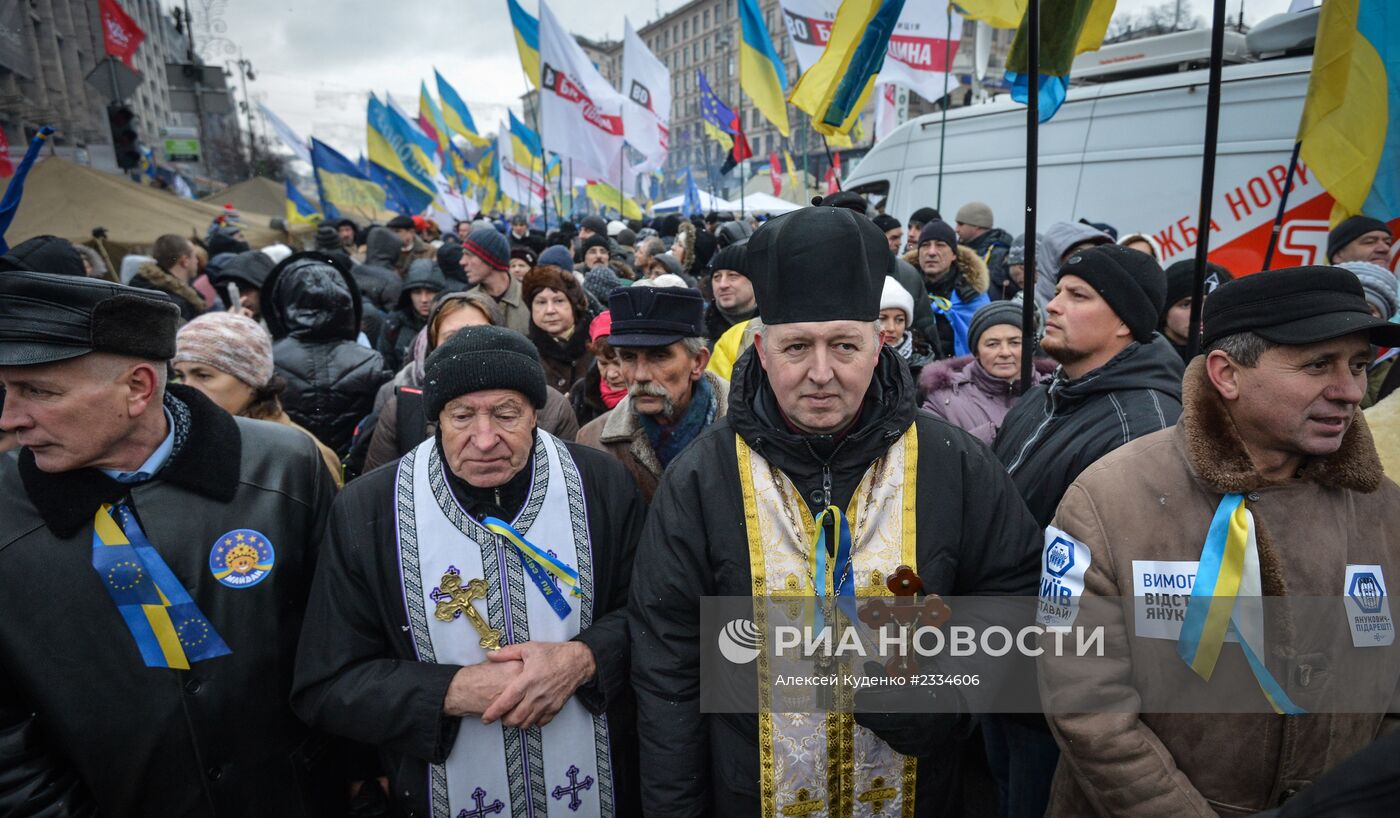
[(1028, 303), (1217, 49), (943, 128), (1282, 206), (243, 67), (831, 163)]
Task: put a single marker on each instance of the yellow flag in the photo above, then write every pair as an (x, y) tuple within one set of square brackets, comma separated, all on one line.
[(995, 13)]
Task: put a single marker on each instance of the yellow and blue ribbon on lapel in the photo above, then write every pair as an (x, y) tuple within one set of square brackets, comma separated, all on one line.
[(843, 583), (539, 564), (169, 629), (1211, 611)]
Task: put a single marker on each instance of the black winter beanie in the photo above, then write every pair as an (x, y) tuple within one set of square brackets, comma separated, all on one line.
[(1349, 230), (1131, 282), (478, 358)]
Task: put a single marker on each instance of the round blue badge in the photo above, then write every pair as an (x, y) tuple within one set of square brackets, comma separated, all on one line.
[(241, 558)]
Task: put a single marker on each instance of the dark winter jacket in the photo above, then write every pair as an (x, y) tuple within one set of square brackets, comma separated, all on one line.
[(695, 545), (965, 285), (1061, 427), (991, 247), (378, 282), (565, 362), (912, 280), (182, 295), (401, 325), (86, 728), (312, 310), (717, 323), (963, 393)]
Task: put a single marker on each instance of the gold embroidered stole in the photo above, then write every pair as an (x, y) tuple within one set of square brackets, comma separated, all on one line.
[(823, 763)]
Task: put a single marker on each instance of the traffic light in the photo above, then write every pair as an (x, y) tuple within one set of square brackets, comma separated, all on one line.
[(125, 142)]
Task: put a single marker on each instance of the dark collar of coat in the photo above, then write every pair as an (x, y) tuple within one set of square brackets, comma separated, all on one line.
[(208, 464), (1218, 457)]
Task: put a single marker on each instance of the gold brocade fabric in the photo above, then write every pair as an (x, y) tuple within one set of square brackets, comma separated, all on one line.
[(823, 764)]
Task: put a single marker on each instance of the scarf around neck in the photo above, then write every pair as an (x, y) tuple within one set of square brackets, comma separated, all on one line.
[(668, 441)]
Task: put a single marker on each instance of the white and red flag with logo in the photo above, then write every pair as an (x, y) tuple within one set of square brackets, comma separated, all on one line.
[(580, 113)]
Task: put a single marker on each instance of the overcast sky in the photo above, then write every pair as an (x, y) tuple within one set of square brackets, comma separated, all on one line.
[(316, 59)]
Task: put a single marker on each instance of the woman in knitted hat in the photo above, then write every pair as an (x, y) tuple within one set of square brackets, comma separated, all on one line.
[(228, 357), (896, 327), (522, 258), (558, 324), (603, 387), (974, 392)]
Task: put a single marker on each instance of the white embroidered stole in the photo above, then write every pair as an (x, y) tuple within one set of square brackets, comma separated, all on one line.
[(564, 767)]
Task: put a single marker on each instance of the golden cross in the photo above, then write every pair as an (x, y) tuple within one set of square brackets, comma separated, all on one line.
[(804, 804), (877, 795), (459, 603)]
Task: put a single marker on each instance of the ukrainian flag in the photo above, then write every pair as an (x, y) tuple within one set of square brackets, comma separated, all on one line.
[(525, 144), (1068, 28), (527, 41), (393, 150), (762, 74), (342, 187), (299, 210), (608, 196), (1351, 120), (995, 13), (834, 91), (455, 113)]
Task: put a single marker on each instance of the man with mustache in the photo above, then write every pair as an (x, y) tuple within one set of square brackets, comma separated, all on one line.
[(1270, 439), (658, 333)]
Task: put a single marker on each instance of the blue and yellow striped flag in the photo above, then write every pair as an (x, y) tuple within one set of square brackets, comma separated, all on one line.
[(1068, 28), (343, 187), (299, 210), (456, 114), (527, 41), (395, 152), (762, 74), (1351, 120), (834, 90)]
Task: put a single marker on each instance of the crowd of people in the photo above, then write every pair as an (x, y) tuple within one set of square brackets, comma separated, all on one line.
[(419, 523)]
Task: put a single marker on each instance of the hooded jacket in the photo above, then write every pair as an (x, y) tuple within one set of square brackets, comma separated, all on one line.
[(378, 282), (312, 309), (154, 277), (404, 322), (694, 545), (1061, 427), (961, 392), (965, 286), (1055, 242), (1153, 500), (991, 247)]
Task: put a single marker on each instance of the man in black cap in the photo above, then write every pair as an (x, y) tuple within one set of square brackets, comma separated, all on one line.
[(659, 337), (1117, 381), (734, 301), (917, 220), (44, 254), (157, 557), (411, 245), (246, 273), (1175, 324), (1269, 434), (1360, 238), (348, 232), (821, 414), (481, 644)]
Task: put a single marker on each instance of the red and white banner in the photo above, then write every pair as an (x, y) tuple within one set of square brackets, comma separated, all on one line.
[(921, 49), (580, 114), (646, 116), (775, 170), (833, 175), (120, 34)]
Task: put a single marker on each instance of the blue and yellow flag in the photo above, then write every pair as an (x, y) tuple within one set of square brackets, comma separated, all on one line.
[(394, 151), (995, 13), (527, 41), (762, 74), (1068, 28), (299, 210), (456, 114), (834, 90), (608, 196), (525, 144), (1351, 120), (343, 188)]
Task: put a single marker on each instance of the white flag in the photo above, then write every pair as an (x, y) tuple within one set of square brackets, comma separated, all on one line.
[(646, 116), (521, 184), (580, 114), (288, 136), (921, 48)]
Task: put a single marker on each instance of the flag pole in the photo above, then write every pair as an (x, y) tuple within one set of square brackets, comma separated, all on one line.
[(1217, 50), (1028, 301), (739, 137), (831, 163), (1282, 206), (943, 128)]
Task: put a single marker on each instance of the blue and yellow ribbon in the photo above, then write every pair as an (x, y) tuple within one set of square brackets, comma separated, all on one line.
[(169, 629), (1210, 614), (539, 564), (839, 575)]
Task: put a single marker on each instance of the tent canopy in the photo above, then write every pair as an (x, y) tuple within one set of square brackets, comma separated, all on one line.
[(256, 195), (767, 203), (707, 203), (68, 200)]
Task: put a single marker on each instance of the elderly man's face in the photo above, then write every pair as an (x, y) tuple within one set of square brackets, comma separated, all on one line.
[(820, 371), (346, 233), (405, 236), (77, 413), (1373, 247), (487, 435), (661, 378), (476, 269), (1297, 401), (595, 257)]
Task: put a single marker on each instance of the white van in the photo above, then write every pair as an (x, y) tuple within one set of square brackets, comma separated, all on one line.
[(1126, 152)]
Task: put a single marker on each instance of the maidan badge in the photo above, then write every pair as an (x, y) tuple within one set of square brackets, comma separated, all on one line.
[(241, 558), (1368, 607)]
